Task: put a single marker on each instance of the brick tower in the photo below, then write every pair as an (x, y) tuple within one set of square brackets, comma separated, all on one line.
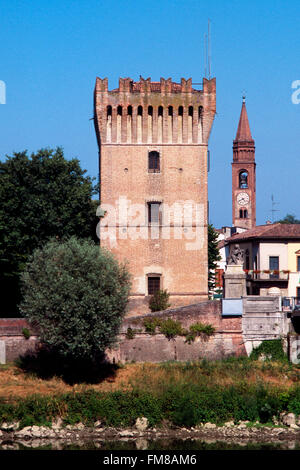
[(152, 139), (243, 175)]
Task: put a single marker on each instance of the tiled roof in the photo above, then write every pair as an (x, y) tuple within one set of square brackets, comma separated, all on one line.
[(269, 231)]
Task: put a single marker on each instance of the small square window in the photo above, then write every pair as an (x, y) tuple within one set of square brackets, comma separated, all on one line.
[(153, 284)]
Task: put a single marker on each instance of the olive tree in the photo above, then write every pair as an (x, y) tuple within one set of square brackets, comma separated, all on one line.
[(75, 295)]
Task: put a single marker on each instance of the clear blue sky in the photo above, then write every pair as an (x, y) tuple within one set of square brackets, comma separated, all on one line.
[(51, 53)]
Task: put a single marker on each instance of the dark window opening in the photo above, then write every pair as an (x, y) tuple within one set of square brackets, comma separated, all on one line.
[(243, 214), (153, 284), (150, 111), (160, 111), (154, 213), (190, 110), (129, 110), (274, 266), (109, 110), (140, 111), (298, 296), (180, 111), (170, 110), (247, 259), (298, 263), (153, 162)]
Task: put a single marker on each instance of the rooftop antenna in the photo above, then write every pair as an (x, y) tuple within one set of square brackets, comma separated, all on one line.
[(205, 55), (273, 210), (208, 48)]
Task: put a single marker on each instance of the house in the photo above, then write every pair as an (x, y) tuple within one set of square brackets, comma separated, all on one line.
[(271, 258)]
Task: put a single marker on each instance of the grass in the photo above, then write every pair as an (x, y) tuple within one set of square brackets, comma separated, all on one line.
[(182, 393)]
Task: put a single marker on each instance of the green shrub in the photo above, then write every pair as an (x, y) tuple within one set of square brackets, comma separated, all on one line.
[(199, 329), (76, 295), (26, 333), (159, 301), (130, 333), (150, 325), (270, 350), (171, 328)]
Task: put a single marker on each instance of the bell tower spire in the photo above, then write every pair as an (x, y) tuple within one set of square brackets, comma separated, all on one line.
[(243, 174)]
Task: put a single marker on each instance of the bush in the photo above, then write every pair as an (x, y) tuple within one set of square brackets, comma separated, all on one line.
[(159, 301), (271, 350), (26, 333), (75, 295)]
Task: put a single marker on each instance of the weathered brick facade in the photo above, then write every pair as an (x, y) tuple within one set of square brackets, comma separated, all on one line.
[(174, 121)]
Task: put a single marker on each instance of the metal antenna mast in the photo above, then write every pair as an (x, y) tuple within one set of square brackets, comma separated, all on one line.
[(273, 207), (205, 55), (208, 47)]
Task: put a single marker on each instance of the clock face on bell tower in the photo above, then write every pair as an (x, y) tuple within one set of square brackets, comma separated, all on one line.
[(243, 175)]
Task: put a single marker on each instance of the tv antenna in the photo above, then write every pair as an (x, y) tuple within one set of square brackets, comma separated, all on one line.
[(273, 210), (207, 52)]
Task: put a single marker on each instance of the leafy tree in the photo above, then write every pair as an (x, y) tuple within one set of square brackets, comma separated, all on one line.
[(41, 196), (289, 219), (213, 256), (75, 294)]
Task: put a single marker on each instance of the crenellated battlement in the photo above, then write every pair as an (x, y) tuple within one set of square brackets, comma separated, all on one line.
[(154, 112)]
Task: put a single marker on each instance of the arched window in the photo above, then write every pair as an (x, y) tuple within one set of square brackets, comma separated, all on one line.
[(243, 214), (153, 162), (243, 179)]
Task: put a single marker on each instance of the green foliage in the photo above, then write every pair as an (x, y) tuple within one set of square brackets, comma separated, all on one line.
[(159, 301), (41, 196), (130, 333), (76, 295), (26, 333), (270, 350), (288, 219), (150, 324), (213, 256), (199, 329), (183, 404), (171, 328)]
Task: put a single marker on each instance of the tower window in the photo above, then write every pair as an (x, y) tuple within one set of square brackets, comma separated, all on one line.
[(153, 162), (153, 284), (243, 179), (153, 213), (243, 214)]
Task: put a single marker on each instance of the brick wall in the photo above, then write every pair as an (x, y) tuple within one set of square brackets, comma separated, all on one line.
[(15, 342), (227, 340)]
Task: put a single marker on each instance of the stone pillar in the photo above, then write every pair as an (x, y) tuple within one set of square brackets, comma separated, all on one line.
[(235, 281), (2, 352)]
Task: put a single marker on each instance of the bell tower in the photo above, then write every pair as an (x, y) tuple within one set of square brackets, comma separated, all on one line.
[(243, 175)]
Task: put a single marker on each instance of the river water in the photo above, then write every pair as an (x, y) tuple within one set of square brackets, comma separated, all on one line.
[(150, 445)]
